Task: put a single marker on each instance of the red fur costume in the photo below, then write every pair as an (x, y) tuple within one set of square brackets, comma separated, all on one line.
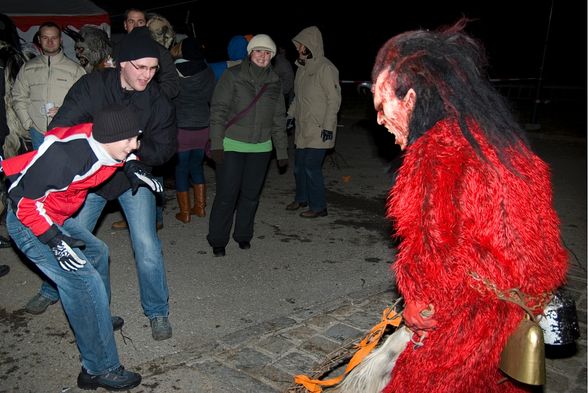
[(458, 213)]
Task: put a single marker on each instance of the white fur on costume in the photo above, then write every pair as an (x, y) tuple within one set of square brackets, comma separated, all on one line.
[(161, 30), (374, 372)]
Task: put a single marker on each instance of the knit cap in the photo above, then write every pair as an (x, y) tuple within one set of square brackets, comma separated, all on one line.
[(192, 49), (137, 44), (115, 123), (261, 42)]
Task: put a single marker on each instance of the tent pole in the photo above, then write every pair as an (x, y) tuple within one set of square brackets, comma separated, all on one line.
[(537, 102)]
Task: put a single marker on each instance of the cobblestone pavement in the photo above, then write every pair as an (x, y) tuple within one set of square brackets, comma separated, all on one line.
[(265, 358)]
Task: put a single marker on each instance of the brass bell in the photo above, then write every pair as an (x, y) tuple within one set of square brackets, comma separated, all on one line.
[(523, 357)]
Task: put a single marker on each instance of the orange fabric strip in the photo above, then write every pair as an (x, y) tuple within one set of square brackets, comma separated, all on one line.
[(365, 346)]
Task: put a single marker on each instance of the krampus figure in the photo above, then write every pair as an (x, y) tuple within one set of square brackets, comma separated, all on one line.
[(472, 205)]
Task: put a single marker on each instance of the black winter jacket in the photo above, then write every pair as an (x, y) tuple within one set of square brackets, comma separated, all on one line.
[(95, 91), (193, 102)]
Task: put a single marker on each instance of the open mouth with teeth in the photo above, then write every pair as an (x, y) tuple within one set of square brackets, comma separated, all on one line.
[(83, 61)]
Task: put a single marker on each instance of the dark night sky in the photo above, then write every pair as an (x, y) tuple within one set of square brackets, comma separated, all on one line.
[(513, 32)]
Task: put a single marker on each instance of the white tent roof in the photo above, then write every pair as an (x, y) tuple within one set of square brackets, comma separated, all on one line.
[(28, 15), (49, 7)]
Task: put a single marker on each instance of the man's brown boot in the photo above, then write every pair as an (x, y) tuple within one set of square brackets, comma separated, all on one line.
[(199, 200), (120, 225), (184, 204)]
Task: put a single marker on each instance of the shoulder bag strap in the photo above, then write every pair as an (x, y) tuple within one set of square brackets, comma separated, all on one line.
[(239, 115)]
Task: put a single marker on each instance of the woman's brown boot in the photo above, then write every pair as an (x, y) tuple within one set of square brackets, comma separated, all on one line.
[(184, 204), (199, 200)]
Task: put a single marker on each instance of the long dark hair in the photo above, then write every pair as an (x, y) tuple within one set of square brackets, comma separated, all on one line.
[(447, 70)]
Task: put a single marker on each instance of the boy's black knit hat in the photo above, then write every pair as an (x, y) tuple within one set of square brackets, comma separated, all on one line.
[(115, 123)]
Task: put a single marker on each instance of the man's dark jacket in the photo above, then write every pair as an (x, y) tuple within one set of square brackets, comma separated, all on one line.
[(95, 91)]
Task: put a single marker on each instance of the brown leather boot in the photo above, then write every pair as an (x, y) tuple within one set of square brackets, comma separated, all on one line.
[(199, 200), (184, 204), (120, 225)]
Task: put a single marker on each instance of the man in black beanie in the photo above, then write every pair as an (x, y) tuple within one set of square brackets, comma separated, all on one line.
[(47, 187), (130, 83), (167, 77)]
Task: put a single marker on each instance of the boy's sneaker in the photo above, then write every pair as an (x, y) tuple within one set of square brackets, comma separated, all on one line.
[(118, 379), (38, 304), (160, 328)]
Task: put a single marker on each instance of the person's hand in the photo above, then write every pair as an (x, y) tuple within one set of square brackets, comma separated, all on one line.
[(53, 111), (418, 316), (326, 135), (290, 123), (140, 175), (218, 156), (282, 166), (61, 246)]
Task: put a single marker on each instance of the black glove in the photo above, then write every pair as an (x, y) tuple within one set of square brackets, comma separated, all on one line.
[(282, 166), (218, 156), (290, 123), (140, 175), (61, 246), (326, 135)]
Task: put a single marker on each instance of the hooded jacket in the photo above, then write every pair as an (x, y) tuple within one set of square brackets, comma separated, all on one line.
[(237, 51), (41, 80), (317, 94)]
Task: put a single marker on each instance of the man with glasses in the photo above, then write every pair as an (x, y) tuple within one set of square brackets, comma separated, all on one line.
[(168, 80), (130, 83), (167, 77)]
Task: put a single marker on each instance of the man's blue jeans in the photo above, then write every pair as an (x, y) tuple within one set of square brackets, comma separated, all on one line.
[(159, 204), (37, 137), (310, 183), (139, 210), (84, 293)]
